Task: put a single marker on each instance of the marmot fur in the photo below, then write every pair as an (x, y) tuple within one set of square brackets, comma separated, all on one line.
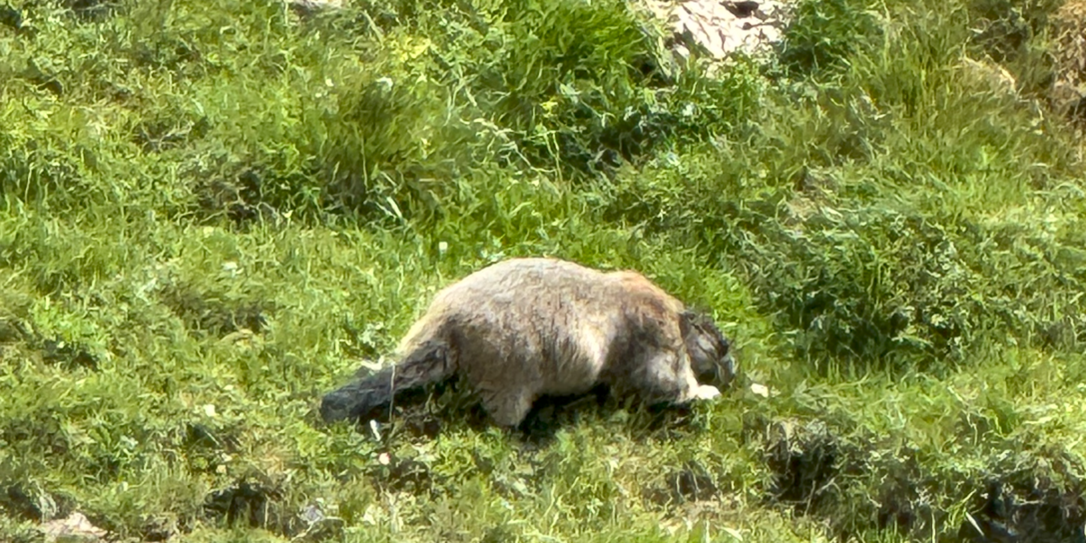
[(528, 327)]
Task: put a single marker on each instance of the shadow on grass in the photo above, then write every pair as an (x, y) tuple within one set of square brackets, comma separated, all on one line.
[(429, 412)]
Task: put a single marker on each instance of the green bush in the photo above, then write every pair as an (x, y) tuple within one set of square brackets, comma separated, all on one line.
[(824, 35)]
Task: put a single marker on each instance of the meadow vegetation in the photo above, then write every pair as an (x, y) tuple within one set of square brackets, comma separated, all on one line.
[(211, 212)]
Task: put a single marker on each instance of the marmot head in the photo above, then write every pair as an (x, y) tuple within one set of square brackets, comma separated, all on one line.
[(709, 351)]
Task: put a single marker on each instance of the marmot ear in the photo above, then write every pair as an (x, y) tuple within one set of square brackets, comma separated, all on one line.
[(685, 323), (689, 321)]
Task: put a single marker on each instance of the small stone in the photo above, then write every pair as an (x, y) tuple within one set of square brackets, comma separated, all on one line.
[(760, 390), (721, 28), (313, 514), (74, 529)]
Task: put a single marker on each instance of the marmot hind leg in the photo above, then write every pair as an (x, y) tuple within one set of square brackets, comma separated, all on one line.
[(507, 408)]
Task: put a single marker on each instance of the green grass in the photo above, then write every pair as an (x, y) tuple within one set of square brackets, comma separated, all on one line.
[(212, 212)]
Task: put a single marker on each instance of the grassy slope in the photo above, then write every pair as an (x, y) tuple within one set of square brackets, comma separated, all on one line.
[(221, 210)]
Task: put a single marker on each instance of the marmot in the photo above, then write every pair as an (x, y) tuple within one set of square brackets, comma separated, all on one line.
[(528, 327)]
